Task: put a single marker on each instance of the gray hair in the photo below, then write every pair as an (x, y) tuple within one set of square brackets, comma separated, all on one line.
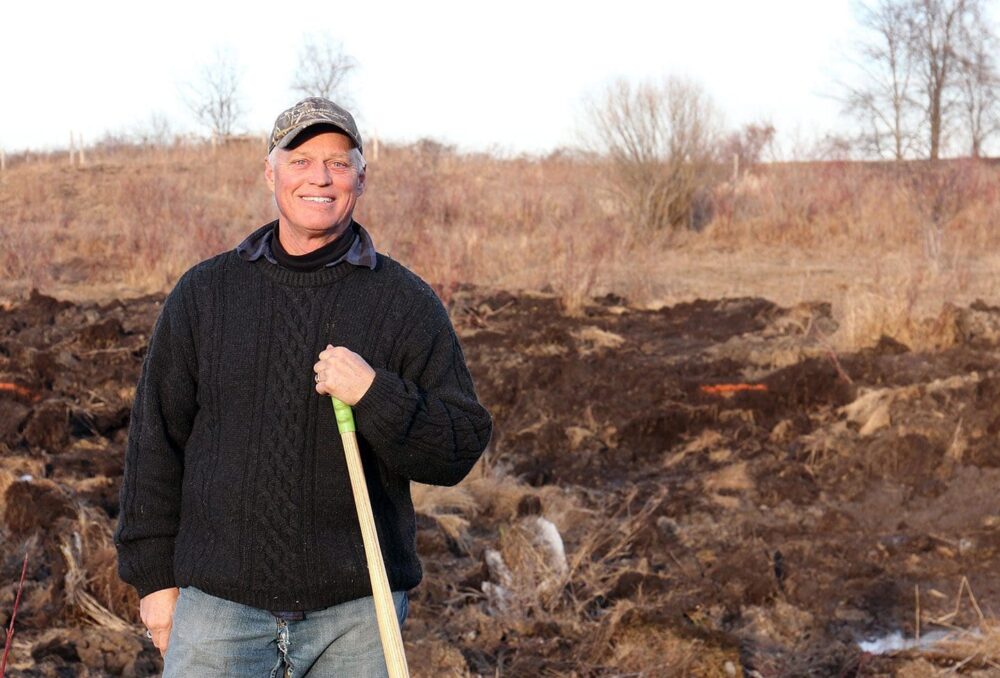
[(357, 159)]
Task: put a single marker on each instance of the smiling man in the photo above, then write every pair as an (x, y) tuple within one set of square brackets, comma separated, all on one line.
[(237, 522)]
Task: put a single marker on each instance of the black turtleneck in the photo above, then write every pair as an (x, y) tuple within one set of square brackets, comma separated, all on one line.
[(317, 259)]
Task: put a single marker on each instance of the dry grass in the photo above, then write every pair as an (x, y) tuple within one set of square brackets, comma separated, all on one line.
[(91, 587), (963, 639), (887, 245), (127, 221), (572, 588), (937, 209)]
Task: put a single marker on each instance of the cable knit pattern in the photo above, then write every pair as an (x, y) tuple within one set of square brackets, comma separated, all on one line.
[(235, 480)]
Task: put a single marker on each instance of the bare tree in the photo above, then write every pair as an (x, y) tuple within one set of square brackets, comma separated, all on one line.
[(883, 102), (937, 32), (924, 62), (660, 140), (323, 69), (214, 98), (979, 81)]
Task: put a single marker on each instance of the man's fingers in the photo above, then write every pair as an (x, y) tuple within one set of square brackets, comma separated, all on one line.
[(342, 373), (161, 638), (328, 352), (157, 612)]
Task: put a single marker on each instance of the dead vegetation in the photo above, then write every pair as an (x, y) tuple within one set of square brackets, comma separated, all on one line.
[(887, 244), (678, 486), (678, 500)]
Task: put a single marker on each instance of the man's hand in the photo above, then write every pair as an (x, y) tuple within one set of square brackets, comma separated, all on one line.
[(157, 612), (343, 374)]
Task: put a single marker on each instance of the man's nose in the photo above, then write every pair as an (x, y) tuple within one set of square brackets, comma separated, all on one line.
[(320, 174)]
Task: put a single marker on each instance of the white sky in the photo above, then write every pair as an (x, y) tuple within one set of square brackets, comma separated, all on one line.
[(508, 76)]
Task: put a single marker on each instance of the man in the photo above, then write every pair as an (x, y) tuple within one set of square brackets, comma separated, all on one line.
[(237, 524)]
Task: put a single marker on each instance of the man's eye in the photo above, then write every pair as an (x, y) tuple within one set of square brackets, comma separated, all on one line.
[(298, 162)]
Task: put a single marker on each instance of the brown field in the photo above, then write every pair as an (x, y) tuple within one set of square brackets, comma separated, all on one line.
[(738, 451), (884, 245)]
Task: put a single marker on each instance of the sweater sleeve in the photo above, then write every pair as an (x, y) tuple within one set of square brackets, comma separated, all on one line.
[(163, 415), (426, 423)]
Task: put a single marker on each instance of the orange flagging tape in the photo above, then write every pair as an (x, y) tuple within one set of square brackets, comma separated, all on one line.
[(729, 389), (19, 390)]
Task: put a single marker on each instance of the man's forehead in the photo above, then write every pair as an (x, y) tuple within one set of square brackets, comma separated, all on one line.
[(318, 150)]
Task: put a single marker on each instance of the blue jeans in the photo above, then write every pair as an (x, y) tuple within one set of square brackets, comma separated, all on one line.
[(212, 637)]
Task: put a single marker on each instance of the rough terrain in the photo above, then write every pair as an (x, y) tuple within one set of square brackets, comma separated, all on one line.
[(707, 489)]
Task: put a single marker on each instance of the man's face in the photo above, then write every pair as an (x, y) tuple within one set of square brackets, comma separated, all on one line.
[(315, 184)]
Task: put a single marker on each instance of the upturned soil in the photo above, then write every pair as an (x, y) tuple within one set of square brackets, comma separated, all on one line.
[(707, 489)]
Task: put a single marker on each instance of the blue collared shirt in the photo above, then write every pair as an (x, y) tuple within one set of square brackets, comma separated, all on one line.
[(258, 244)]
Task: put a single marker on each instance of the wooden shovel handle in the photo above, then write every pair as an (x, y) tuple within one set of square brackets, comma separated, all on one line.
[(385, 610)]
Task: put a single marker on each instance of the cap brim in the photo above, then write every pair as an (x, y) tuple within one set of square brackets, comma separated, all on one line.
[(290, 137)]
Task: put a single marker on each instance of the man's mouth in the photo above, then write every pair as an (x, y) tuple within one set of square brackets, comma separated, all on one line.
[(316, 198)]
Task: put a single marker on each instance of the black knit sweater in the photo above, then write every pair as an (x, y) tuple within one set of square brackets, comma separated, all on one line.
[(235, 480)]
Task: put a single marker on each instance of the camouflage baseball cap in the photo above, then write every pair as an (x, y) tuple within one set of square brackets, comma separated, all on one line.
[(309, 112)]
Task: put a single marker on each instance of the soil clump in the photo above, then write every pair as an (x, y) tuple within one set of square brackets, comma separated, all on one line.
[(706, 489)]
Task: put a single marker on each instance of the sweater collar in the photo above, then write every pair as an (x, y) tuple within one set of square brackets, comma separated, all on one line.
[(318, 278)]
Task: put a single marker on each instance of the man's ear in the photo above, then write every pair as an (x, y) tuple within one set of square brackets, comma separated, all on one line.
[(269, 173), (362, 179)]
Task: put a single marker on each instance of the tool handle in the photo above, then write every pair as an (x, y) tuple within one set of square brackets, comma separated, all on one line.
[(385, 609), (345, 416)]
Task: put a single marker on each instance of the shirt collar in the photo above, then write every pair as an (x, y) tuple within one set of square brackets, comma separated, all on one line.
[(258, 244)]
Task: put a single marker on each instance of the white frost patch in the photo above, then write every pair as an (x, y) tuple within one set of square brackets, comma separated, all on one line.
[(894, 642), (497, 596), (499, 572), (549, 539)]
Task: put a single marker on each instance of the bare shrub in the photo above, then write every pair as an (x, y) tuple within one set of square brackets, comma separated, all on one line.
[(749, 146), (660, 143), (940, 193)]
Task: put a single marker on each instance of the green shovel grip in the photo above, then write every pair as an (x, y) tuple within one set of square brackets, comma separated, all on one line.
[(345, 417)]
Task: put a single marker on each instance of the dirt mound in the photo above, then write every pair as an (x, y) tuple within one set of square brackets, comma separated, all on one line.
[(700, 490)]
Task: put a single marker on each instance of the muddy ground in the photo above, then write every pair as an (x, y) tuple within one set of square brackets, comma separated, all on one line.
[(707, 489)]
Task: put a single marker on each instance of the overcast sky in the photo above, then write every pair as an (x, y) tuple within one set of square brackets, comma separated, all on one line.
[(508, 76)]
